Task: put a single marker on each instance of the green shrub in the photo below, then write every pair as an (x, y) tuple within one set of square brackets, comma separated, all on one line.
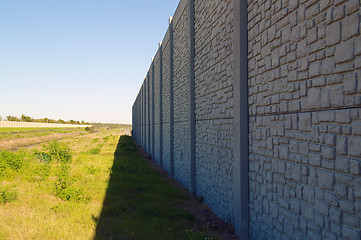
[(3, 167), (63, 187), (7, 194), (90, 129), (91, 169), (42, 171), (59, 151), (12, 160), (94, 150), (74, 194), (42, 157), (63, 180), (106, 138)]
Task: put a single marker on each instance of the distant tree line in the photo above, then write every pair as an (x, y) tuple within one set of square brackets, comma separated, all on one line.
[(25, 118)]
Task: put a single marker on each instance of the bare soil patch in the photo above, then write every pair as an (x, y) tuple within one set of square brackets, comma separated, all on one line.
[(13, 144)]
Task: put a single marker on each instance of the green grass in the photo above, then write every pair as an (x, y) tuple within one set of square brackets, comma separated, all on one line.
[(45, 200), (142, 204), (113, 194), (13, 133)]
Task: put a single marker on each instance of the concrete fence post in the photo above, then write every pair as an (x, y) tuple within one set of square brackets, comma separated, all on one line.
[(143, 116), (171, 109), (160, 105), (140, 115), (240, 93), (148, 113), (191, 96), (152, 107)]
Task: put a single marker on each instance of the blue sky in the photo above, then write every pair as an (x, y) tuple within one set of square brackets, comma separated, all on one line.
[(77, 59)]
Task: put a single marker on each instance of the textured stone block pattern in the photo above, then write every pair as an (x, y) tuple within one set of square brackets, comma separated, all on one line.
[(151, 110), (304, 105), (213, 104), (156, 109), (304, 66), (166, 104), (180, 98), (147, 114)]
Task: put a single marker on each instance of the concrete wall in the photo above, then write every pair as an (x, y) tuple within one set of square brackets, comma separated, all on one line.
[(214, 104), (166, 103), (257, 108), (304, 107)]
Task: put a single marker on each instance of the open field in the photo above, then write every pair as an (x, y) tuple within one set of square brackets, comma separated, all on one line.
[(11, 133), (39, 212), (94, 186), (13, 138)]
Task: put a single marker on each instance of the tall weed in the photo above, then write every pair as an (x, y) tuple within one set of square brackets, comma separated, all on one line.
[(12, 160), (8, 194), (59, 151), (96, 150), (64, 189)]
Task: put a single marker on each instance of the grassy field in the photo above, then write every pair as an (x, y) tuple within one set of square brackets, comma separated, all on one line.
[(43, 210), (14, 133), (92, 186)]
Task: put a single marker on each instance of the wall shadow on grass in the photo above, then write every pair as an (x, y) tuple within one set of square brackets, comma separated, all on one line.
[(114, 206), (140, 203)]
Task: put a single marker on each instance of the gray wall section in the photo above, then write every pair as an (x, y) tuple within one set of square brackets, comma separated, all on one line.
[(277, 114), (180, 97), (214, 104), (156, 62), (304, 106), (166, 102), (152, 110)]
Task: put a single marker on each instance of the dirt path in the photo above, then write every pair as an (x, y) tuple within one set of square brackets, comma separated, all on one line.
[(13, 144)]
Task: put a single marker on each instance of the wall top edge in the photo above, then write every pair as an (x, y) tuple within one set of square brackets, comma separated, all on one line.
[(178, 12), (166, 37), (157, 56)]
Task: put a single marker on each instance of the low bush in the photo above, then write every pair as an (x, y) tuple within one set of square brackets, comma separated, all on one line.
[(42, 157), (59, 151), (63, 187), (91, 129), (91, 169), (62, 181), (42, 172), (12, 160), (96, 150), (8, 194)]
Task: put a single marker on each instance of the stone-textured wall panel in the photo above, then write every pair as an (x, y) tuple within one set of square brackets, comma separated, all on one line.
[(303, 56), (305, 170), (147, 114), (304, 68), (156, 90), (214, 166), (180, 61), (214, 104), (157, 86), (166, 104), (181, 154), (151, 109), (304, 102), (166, 76), (181, 100), (166, 147)]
